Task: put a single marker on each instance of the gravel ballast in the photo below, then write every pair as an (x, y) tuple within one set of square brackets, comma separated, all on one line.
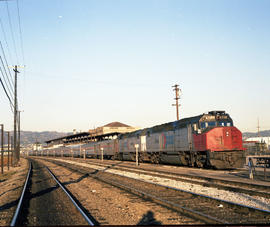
[(241, 198)]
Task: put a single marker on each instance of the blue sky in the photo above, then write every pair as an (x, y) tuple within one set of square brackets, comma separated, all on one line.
[(92, 62)]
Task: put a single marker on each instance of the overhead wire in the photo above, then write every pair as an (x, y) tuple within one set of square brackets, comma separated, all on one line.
[(21, 37), (20, 30), (5, 81), (6, 91), (12, 33), (5, 38), (6, 78), (10, 83)]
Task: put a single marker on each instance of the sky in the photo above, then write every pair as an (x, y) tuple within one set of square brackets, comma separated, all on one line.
[(92, 62)]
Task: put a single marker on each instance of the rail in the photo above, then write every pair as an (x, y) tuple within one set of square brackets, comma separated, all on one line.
[(19, 206), (18, 209), (72, 200)]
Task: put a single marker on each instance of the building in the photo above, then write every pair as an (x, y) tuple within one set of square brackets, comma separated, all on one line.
[(114, 127), (109, 131), (265, 140), (257, 145)]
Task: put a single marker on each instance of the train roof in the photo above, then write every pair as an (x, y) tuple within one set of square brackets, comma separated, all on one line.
[(170, 126)]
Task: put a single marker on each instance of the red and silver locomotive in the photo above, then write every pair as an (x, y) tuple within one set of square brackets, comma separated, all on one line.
[(207, 140)]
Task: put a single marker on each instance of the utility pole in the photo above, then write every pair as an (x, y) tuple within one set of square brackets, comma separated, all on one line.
[(258, 127), (2, 148), (19, 132), (12, 151), (177, 97), (16, 155), (8, 147)]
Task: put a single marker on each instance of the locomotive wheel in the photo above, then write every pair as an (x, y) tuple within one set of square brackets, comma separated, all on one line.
[(155, 159), (199, 164), (183, 160)]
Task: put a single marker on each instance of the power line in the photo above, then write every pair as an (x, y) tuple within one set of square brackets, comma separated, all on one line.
[(5, 38), (11, 30), (8, 88), (6, 64), (6, 92), (20, 29)]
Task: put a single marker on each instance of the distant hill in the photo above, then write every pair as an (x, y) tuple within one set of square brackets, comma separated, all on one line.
[(265, 133), (29, 137)]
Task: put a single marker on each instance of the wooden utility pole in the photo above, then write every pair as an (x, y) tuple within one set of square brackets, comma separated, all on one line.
[(177, 97), (2, 148), (16, 155), (8, 147), (19, 133), (258, 127), (12, 151)]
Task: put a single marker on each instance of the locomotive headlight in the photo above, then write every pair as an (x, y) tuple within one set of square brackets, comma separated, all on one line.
[(227, 133)]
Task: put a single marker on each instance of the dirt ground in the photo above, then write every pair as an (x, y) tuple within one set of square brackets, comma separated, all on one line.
[(11, 184), (5, 160)]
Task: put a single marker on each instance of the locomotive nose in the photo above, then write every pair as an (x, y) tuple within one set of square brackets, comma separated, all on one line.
[(224, 139)]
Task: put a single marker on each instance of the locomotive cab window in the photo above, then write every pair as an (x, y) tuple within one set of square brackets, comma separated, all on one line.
[(224, 123), (208, 124), (221, 123), (211, 123), (203, 125)]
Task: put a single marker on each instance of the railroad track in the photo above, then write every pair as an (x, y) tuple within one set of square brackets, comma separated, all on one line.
[(204, 208), (45, 201), (247, 188)]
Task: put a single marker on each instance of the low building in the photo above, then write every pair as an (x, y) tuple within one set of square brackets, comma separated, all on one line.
[(109, 131), (265, 140), (114, 127), (257, 145)]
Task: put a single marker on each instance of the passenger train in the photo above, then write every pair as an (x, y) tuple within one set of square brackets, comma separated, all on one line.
[(209, 140)]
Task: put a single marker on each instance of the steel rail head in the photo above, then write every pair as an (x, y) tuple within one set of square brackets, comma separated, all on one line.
[(18, 209), (89, 221)]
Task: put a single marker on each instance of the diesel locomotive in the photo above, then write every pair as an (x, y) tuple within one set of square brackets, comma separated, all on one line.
[(209, 140)]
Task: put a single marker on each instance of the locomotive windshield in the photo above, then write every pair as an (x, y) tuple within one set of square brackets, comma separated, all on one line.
[(225, 123), (215, 123)]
